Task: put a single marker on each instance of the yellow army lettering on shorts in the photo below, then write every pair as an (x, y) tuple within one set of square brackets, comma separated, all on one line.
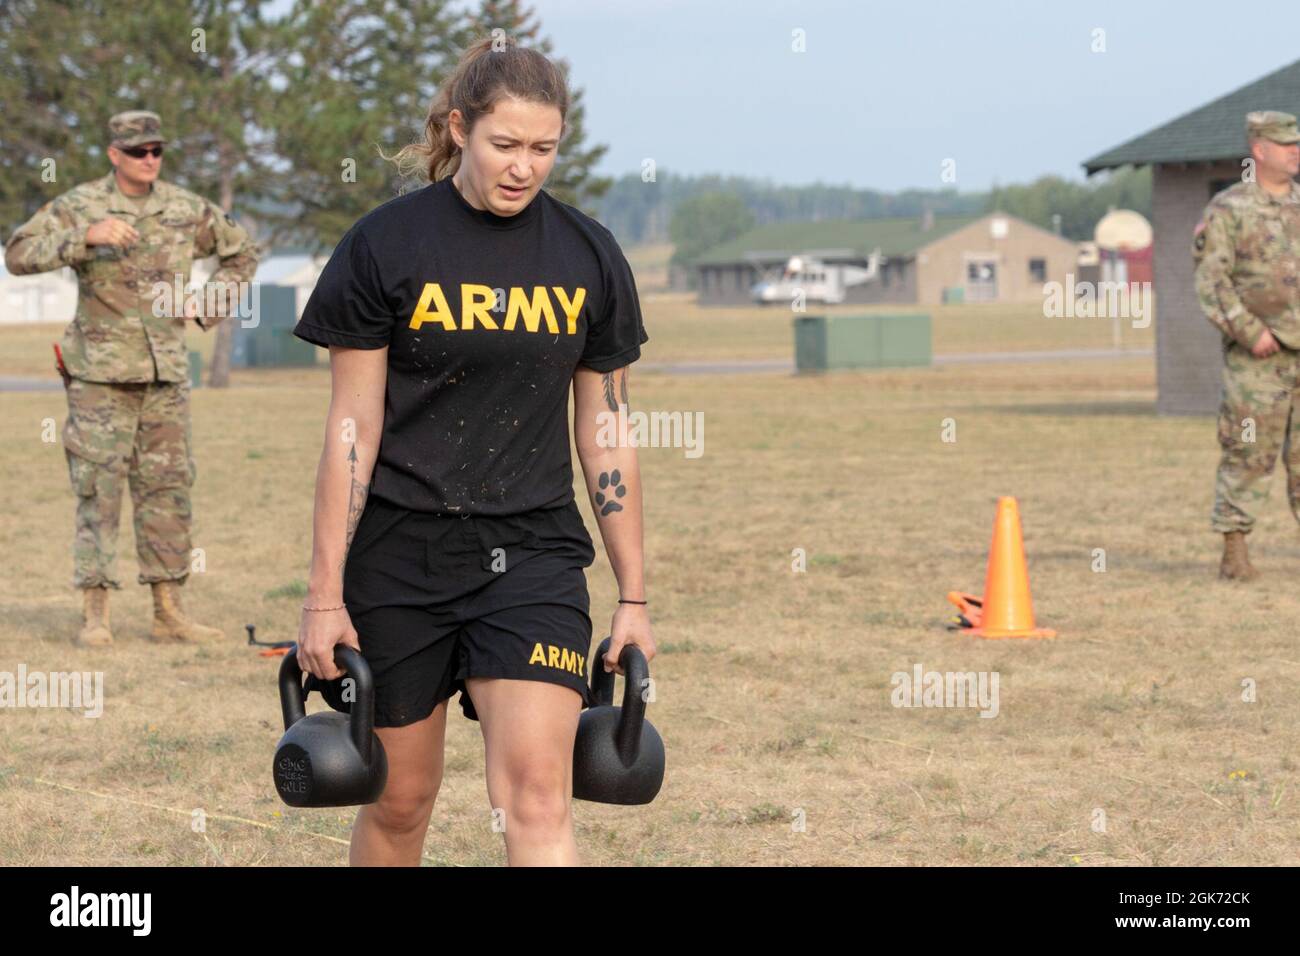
[(561, 658), (478, 302)]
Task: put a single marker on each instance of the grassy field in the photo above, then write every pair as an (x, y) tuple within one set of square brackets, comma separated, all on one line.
[(650, 263), (681, 331), (773, 687)]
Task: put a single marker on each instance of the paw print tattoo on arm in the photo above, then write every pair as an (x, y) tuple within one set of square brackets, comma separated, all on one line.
[(608, 480)]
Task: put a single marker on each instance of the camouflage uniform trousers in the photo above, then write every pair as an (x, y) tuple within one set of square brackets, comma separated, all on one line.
[(1263, 393), (138, 433)]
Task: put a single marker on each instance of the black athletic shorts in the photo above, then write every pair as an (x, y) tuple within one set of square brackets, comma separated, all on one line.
[(436, 599)]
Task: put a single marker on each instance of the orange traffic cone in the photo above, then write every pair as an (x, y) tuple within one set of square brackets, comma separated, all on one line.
[(1006, 610)]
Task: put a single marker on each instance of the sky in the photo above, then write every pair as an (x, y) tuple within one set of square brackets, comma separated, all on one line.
[(885, 93)]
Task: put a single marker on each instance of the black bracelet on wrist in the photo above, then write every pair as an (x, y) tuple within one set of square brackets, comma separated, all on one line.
[(625, 601)]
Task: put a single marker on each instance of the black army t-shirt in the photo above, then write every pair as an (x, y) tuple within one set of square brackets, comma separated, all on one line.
[(486, 318)]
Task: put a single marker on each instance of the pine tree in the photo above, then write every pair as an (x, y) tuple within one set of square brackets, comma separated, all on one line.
[(358, 78), (200, 65), (281, 122), (61, 70)]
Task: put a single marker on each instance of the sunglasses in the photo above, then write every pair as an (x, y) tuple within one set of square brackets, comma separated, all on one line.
[(140, 152)]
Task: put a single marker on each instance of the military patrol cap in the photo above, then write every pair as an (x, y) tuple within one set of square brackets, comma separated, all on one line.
[(135, 127), (1272, 125)]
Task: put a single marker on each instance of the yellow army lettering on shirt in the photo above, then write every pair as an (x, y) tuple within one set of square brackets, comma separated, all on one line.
[(561, 658), (478, 302)]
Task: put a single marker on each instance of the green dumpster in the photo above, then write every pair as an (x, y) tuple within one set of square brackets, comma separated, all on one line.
[(267, 341), (861, 341)]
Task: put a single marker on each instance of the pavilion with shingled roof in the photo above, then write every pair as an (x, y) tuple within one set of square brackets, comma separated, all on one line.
[(1193, 157)]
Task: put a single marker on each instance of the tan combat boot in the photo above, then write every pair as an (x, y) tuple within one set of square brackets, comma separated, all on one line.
[(94, 619), (170, 622), (1236, 564)]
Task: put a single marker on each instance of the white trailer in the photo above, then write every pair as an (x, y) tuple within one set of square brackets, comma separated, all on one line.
[(817, 280)]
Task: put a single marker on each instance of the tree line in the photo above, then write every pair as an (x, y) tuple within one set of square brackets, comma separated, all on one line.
[(697, 213)]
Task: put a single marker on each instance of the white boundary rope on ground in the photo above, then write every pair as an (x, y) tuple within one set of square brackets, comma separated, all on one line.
[(183, 813)]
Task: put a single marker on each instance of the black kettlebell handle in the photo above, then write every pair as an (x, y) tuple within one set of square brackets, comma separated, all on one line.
[(363, 710), (632, 714)]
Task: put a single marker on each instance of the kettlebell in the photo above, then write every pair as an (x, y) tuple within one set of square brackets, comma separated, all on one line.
[(331, 690), (329, 760), (618, 756)]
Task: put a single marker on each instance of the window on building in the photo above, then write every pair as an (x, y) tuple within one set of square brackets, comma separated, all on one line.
[(981, 281), (1037, 270)]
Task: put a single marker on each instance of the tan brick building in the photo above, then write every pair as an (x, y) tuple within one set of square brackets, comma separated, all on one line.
[(924, 261)]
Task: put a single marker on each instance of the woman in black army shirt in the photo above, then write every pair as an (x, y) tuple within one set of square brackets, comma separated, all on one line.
[(457, 316)]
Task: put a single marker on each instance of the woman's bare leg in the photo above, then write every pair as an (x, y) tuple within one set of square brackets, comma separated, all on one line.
[(528, 732), (390, 832)]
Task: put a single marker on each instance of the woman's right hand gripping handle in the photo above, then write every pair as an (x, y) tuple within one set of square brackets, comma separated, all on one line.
[(352, 431), (318, 632)]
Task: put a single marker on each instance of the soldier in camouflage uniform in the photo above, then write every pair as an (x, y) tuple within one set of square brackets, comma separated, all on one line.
[(127, 373), (1247, 249)]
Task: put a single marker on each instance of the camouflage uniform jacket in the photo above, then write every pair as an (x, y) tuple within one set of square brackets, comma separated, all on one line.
[(115, 335), (1247, 250)]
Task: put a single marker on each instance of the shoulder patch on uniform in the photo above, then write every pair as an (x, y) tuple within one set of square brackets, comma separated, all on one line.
[(1198, 236)]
